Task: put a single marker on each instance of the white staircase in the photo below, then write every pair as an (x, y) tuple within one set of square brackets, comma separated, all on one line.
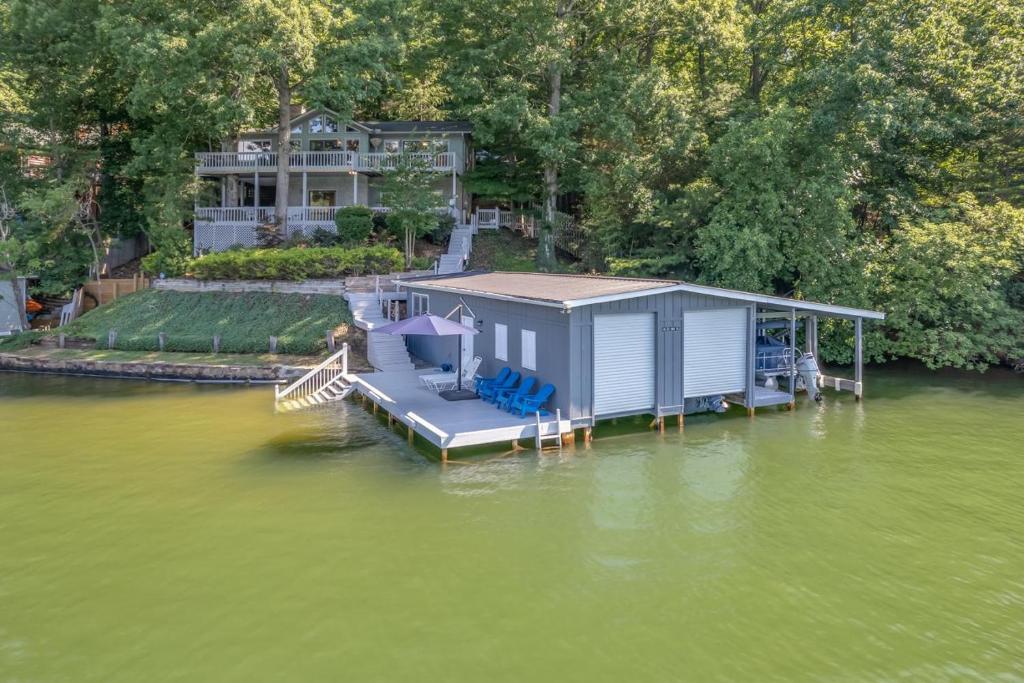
[(325, 383), (459, 247), (384, 351)]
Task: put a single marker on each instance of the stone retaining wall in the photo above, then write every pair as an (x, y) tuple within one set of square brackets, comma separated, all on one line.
[(366, 283), (153, 371), (335, 287), (363, 283)]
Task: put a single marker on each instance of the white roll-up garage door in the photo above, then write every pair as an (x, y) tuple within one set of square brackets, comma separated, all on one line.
[(714, 352), (623, 363)]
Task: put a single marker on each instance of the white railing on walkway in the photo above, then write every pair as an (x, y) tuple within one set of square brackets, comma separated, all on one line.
[(492, 219), (314, 381), (337, 160)]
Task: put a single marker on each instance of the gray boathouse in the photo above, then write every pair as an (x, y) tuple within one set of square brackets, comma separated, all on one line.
[(623, 346)]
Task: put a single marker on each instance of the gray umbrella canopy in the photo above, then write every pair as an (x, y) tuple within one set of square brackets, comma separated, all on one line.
[(430, 325), (427, 325)]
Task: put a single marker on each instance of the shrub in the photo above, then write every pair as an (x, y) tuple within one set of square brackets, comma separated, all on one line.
[(445, 225), (355, 225), (380, 223), (322, 237), (268, 235), (422, 263), (171, 259), (296, 264)]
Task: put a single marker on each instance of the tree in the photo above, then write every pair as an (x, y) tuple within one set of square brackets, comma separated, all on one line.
[(413, 201)]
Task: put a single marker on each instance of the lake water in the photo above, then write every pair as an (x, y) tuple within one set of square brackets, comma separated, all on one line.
[(153, 532)]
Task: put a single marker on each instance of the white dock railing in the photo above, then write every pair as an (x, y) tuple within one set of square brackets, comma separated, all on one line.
[(317, 379)]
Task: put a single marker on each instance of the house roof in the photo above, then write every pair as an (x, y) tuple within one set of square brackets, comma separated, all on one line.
[(573, 291), (381, 126), (418, 126)]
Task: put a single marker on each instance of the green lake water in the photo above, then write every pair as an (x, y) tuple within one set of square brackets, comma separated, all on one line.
[(172, 532)]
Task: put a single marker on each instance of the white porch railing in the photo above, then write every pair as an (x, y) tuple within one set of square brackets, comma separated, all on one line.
[(492, 219), (316, 380), (235, 214), (325, 160)]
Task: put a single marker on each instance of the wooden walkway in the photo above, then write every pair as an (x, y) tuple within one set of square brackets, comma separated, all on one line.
[(447, 424)]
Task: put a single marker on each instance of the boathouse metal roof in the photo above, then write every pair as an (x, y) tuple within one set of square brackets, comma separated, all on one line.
[(573, 291)]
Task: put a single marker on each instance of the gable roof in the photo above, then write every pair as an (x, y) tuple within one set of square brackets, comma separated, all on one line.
[(573, 291), (419, 126), (378, 126)]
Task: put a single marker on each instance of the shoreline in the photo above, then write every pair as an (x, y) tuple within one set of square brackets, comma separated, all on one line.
[(152, 370)]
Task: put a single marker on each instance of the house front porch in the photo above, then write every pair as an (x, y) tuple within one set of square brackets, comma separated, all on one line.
[(220, 228)]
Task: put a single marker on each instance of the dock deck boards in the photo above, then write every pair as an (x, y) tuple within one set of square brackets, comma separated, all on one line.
[(448, 424)]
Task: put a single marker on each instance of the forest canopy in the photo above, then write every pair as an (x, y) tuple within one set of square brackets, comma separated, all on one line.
[(864, 152)]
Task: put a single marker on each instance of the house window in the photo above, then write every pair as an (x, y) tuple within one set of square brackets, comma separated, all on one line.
[(352, 144), (322, 198), (440, 146), (416, 146), (420, 304), (297, 130), (257, 146), (323, 124), (500, 341), (529, 339), (329, 145), (391, 146)]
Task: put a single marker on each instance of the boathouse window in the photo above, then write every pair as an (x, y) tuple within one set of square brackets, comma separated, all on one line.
[(529, 339), (420, 304), (500, 341)]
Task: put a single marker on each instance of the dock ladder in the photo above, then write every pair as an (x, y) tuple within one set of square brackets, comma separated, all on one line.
[(328, 381), (557, 436)]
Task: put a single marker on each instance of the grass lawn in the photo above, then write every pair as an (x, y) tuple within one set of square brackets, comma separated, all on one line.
[(506, 250), (503, 250), (245, 322)]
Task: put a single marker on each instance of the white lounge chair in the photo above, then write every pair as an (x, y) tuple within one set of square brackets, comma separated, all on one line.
[(449, 380)]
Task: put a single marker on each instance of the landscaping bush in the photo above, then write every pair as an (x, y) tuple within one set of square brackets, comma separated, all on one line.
[(422, 263), (168, 261), (189, 320), (441, 233), (296, 264), (355, 225)]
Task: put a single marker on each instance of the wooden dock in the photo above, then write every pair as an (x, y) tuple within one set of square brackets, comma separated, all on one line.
[(448, 424)]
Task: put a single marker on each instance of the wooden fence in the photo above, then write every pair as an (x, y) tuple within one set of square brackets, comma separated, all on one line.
[(104, 291)]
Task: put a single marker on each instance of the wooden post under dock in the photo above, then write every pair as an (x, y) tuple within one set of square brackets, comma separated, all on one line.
[(682, 421), (858, 353)]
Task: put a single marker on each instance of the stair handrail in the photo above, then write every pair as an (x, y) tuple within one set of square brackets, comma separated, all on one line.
[(280, 394)]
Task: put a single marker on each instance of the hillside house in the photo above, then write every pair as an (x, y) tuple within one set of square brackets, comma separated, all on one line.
[(334, 163)]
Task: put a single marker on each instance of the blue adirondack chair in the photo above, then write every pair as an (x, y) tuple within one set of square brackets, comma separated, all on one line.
[(488, 391), (504, 398), (497, 379), (533, 403)]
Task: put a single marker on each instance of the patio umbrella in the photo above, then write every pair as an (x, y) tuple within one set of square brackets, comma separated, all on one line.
[(430, 325)]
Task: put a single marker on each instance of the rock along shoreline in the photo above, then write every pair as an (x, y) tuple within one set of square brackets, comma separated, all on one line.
[(151, 370)]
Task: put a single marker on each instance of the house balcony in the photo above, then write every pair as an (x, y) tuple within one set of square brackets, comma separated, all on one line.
[(220, 228), (318, 162)]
